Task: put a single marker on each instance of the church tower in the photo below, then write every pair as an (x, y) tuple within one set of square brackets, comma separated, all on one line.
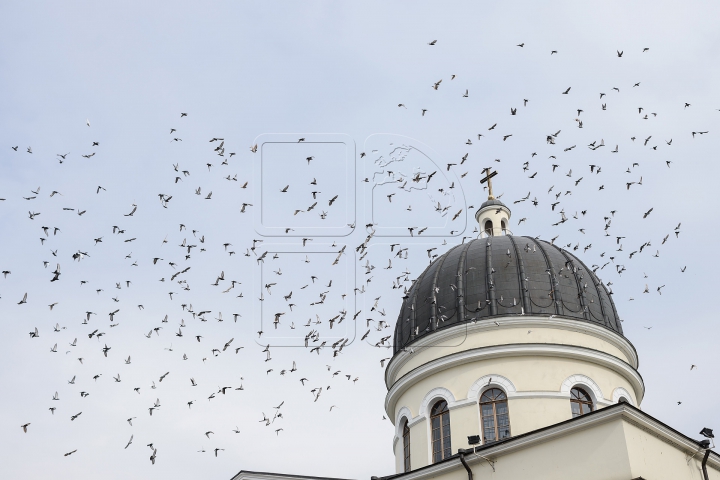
[(493, 216), (510, 362), (500, 336)]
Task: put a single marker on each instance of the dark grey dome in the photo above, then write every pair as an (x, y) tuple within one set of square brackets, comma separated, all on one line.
[(494, 202), (502, 275)]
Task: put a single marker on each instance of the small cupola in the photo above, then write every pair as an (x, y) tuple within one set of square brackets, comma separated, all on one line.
[(493, 216)]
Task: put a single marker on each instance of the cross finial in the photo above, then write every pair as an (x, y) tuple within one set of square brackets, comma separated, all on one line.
[(488, 179)]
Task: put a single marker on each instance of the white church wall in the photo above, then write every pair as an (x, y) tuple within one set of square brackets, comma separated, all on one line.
[(538, 390), (595, 454), (399, 459), (419, 442), (527, 415), (651, 457), (464, 421), (598, 454), (615, 444)]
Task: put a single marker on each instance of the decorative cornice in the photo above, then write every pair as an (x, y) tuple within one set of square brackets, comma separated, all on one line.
[(463, 403), (473, 402), (527, 321), (416, 420), (513, 350), (403, 412), (488, 381), (434, 394), (621, 392), (603, 402), (495, 380), (580, 379)]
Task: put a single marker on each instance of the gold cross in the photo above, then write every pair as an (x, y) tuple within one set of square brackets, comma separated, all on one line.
[(488, 177)]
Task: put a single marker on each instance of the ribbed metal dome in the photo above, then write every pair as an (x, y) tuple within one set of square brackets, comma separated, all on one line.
[(494, 202), (502, 275)]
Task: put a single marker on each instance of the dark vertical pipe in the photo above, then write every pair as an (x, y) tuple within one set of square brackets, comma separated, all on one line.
[(469, 472), (704, 464)]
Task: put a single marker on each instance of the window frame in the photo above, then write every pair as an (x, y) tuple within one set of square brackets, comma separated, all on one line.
[(406, 445), (490, 230), (437, 435), (494, 403), (588, 404)]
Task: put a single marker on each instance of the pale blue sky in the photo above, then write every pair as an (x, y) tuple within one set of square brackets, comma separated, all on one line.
[(245, 69)]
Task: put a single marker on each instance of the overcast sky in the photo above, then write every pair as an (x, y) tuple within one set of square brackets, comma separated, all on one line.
[(270, 73)]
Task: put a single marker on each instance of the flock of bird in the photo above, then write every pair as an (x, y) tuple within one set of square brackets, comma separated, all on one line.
[(304, 298), (555, 197)]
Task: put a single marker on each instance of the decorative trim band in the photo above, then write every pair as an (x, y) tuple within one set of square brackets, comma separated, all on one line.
[(473, 402), (463, 403), (552, 321), (416, 420)]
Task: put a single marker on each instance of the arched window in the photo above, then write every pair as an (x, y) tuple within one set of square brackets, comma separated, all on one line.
[(580, 402), (406, 445), (503, 225), (622, 400), (495, 417), (440, 424), (489, 227)]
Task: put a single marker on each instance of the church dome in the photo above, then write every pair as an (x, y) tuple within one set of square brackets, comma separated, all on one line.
[(498, 276), (492, 203)]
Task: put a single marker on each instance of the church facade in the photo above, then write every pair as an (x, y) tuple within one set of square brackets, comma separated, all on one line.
[(510, 362)]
